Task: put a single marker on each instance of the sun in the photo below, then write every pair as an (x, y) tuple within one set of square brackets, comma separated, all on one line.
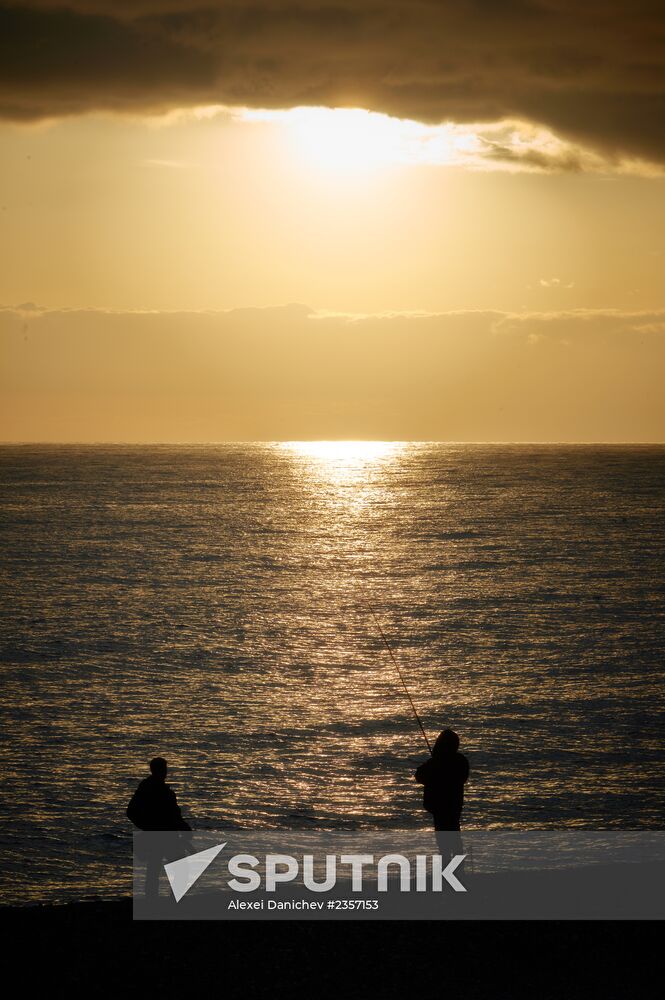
[(349, 140), (346, 139)]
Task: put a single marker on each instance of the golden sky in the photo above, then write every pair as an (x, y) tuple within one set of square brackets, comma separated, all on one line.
[(462, 271)]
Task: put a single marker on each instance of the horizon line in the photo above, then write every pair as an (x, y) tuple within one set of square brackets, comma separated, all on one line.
[(358, 440)]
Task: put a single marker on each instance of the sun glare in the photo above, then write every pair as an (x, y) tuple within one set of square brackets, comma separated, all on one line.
[(352, 139)]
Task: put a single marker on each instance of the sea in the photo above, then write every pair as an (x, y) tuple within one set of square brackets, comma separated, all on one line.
[(222, 606)]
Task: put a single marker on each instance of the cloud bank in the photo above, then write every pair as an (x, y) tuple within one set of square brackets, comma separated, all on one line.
[(591, 72), (291, 373)]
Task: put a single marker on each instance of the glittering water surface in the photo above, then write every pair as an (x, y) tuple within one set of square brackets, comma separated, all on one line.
[(206, 603)]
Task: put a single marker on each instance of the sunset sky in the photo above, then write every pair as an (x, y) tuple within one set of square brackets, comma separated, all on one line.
[(419, 220)]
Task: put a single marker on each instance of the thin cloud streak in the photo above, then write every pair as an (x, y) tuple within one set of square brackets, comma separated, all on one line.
[(291, 373)]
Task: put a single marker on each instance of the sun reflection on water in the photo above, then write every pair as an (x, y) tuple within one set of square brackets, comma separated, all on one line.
[(346, 452), (345, 458), (344, 472)]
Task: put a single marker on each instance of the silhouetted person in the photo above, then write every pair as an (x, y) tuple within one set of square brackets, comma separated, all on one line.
[(154, 808), (444, 776), (153, 805)]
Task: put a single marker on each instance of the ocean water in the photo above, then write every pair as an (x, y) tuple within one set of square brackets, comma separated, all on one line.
[(210, 604)]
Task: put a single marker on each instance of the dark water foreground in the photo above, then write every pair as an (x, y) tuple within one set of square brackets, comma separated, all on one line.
[(89, 949)]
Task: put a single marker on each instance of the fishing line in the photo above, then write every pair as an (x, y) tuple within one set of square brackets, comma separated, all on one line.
[(397, 668)]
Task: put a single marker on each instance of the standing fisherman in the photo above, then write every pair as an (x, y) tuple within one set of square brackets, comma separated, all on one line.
[(444, 776), (154, 805), (154, 810)]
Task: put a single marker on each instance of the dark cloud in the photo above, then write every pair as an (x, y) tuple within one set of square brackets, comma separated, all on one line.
[(591, 71)]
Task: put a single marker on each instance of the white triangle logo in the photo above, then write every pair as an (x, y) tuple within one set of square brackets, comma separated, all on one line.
[(183, 873)]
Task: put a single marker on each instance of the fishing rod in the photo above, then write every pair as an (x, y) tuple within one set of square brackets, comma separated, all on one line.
[(397, 668)]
